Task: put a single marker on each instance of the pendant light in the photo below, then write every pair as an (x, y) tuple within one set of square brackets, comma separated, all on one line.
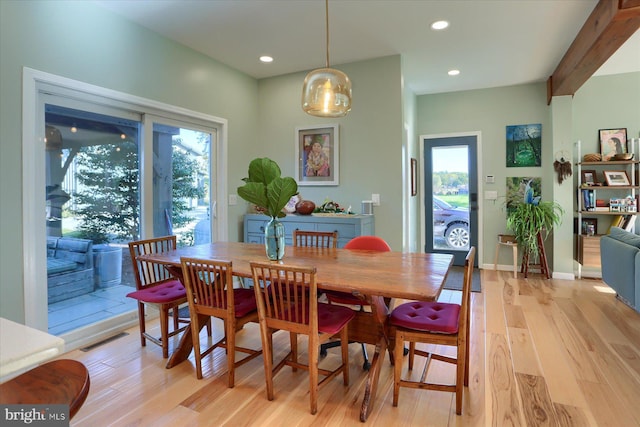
[(326, 92)]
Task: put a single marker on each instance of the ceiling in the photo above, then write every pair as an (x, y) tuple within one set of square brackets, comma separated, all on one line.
[(493, 43)]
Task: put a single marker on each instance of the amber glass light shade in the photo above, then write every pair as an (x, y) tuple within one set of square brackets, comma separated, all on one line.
[(326, 92)]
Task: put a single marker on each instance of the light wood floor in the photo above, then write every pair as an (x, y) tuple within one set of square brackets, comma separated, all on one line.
[(543, 352)]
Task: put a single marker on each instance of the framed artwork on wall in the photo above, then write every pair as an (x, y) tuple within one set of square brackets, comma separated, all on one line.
[(524, 145), (523, 189), (317, 155)]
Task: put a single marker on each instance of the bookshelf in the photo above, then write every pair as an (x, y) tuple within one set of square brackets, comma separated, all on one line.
[(600, 206)]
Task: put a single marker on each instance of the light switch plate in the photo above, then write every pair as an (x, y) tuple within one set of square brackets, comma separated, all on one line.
[(375, 198)]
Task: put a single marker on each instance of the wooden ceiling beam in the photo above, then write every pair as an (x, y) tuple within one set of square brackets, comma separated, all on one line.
[(608, 27)]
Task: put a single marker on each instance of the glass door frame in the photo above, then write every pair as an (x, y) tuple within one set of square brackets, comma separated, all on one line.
[(423, 139), (37, 83)]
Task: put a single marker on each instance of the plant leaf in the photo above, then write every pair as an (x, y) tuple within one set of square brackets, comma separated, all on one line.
[(263, 170), (279, 192), (254, 192)]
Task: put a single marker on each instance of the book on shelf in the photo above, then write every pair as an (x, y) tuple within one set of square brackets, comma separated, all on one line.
[(602, 209), (629, 222), (588, 200)]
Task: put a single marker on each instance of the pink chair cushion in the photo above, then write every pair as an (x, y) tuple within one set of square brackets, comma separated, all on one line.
[(163, 293), (427, 316), (331, 318)]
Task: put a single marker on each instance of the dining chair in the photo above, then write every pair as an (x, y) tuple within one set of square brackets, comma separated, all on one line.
[(155, 286), (439, 324), (373, 243), (287, 300), (317, 239), (210, 292)]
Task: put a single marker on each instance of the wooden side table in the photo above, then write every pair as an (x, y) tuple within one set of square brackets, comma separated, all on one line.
[(62, 382), (508, 241)]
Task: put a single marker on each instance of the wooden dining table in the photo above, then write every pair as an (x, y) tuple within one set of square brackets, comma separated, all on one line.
[(376, 277)]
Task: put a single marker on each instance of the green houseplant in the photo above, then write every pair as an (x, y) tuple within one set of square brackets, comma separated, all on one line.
[(528, 216), (266, 188)]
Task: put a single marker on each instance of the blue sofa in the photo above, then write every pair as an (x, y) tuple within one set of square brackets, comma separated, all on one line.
[(69, 268), (620, 258)]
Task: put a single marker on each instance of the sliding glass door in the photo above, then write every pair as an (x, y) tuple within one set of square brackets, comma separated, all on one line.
[(108, 182)]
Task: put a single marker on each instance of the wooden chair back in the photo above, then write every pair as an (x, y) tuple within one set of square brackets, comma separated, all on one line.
[(209, 285), (150, 273), (287, 300), (286, 297), (210, 292), (318, 239)]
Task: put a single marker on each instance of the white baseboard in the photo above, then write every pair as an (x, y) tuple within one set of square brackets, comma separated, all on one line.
[(97, 332)]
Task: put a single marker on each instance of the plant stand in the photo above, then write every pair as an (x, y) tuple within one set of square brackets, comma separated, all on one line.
[(542, 256)]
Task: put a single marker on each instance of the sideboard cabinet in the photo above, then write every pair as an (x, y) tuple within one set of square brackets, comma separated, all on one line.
[(347, 226)]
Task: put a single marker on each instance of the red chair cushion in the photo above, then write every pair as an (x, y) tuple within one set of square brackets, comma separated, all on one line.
[(427, 316), (245, 301), (344, 298), (331, 318), (159, 294)]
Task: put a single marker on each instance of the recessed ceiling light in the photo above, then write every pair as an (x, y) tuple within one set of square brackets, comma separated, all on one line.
[(453, 72), (439, 25), (266, 58)]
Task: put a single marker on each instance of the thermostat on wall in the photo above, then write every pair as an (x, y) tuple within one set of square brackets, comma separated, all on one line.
[(490, 179)]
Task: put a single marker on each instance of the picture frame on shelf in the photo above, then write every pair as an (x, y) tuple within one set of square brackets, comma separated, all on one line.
[(589, 177), (317, 154), (589, 226), (616, 178), (612, 142)]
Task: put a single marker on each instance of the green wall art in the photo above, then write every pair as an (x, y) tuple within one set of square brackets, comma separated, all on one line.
[(524, 145)]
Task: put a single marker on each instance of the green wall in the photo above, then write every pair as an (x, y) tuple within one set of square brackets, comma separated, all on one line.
[(81, 41), (606, 102), (370, 139), (489, 111), (602, 102)]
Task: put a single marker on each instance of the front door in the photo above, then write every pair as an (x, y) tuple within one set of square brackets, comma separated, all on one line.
[(451, 195)]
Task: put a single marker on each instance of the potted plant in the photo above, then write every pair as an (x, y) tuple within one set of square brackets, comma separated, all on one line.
[(528, 217), (267, 189)]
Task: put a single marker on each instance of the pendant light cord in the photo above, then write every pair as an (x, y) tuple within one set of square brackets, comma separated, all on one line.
[(327, 27)]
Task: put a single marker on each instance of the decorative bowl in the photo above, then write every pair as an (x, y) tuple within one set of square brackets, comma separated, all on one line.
[(623, 156), (592, 157)]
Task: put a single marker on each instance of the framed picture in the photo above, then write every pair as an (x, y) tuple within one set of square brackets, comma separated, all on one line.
[(317, 155), (414, 176), (612, 142), (615, 178), (589, 177), (522, 189), (524, 145), (589, 226)]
